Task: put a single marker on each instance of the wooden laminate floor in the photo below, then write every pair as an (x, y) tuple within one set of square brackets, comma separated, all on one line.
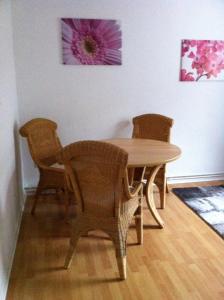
[(182, 261)]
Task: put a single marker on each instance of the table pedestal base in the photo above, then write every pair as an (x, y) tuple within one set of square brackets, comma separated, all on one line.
[(150, 198)]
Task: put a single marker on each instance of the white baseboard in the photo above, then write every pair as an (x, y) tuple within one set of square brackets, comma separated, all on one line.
[(29, 191), (170, 179), (195, 178)]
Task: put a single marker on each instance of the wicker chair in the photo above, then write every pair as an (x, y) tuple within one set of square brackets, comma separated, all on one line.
[(157, 127), (44, 144), (98, 176)]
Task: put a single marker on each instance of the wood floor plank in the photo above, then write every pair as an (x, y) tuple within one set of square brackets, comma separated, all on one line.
[(182, 261)]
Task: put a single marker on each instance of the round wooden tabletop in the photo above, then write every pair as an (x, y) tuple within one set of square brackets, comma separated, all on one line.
[(144, 152)]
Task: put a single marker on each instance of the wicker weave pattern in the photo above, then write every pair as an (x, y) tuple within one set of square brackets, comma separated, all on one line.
[(44, 144), (157, 127), (152, 126), (97, 173), (42, 138)]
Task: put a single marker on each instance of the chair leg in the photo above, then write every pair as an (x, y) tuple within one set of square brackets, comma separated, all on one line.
[(121, 263), (139, 225), (67, 203), (73, 243), (120, 246), (59, 194), (37, 194)]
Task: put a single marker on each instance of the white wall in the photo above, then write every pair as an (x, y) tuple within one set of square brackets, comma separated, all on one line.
[(94, 102), (10, 204)]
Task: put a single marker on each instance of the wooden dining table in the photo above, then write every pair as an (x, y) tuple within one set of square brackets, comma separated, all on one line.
[(148, 153)]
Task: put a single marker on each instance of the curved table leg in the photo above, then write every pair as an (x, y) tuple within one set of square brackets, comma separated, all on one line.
[(149, 196)]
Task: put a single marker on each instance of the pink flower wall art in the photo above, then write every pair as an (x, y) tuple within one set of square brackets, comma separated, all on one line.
[(202, 60), (91, 42)]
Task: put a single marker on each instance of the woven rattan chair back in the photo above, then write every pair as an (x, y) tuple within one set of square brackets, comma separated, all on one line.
[(96, 170), (42, 139), (152, 126)]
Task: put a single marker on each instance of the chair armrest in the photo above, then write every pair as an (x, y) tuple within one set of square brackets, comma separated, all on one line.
[(43, 167), (134, 193), (49, 161)]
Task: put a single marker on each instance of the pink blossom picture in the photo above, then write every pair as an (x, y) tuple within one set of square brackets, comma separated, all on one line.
[(202, 60), (91, 42)]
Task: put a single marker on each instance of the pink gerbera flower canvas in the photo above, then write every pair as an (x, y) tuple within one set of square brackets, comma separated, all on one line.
[(202, 60), (91, 42)]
